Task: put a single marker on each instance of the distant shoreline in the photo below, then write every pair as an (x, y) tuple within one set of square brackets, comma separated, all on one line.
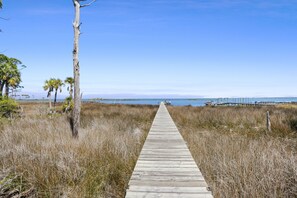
[(182, 102), (295, 97)]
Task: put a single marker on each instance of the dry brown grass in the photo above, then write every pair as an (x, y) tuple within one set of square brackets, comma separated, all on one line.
[(236, 154), (38, 151), (288, 106)]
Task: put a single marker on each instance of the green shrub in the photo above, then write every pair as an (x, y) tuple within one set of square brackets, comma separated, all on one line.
[(68, 105), (8, 107)]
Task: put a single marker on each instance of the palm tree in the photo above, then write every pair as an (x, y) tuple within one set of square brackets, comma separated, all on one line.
[(13, 82), (13, 77), (69, 99), (49, 87), (10, 75), (3, 71), (70, 82), (57, 84)]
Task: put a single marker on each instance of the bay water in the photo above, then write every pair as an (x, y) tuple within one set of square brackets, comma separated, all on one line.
[(196, 101)]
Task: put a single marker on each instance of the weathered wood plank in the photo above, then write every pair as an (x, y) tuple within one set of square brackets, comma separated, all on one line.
[(165, 173), (165, 167), (166, 162), (141, 166), (168, 177), (167, 159), (131, 194), (168, 189), (190, 183)]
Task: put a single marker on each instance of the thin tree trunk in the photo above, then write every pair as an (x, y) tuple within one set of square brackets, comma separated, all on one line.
[(71, 92), (268, 122), (50, 101), (77, 99), (1, 89), (55, 100), (6, 89)]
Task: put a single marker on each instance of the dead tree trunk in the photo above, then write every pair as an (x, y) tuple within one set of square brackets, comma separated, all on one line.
[(268, 122), (77, 99), (75, 122)]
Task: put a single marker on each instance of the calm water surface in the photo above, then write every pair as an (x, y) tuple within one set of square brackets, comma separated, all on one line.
[(194, 102)]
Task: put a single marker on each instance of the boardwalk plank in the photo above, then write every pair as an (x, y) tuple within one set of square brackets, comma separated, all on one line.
[(190, 183), (166, 195), (168, 172), (168, 189)]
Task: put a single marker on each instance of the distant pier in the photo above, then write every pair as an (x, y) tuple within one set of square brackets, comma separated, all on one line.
[(245, 103)]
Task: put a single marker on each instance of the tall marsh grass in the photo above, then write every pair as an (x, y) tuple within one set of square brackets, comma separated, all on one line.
[(39, 157), (235, 152)]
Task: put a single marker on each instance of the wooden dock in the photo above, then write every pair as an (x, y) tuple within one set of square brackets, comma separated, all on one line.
[(165, 167)]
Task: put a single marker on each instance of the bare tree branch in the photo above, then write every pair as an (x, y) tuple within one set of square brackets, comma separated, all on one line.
[(88, 4)]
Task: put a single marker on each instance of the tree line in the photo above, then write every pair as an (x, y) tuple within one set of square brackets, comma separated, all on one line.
[(10, 79), (10, 75), (55, 85)]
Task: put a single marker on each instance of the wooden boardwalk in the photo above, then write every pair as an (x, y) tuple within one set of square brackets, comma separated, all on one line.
[(165, 167)]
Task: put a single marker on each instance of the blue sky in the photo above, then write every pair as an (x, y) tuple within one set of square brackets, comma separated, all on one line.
[(156, 48)]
